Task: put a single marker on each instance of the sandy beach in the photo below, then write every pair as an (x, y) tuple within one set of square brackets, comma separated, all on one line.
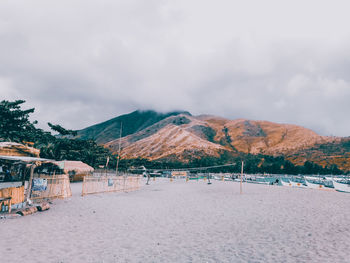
[(185, 222)]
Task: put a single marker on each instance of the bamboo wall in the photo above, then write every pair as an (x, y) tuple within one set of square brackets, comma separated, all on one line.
[(16, 194), (58, 186)]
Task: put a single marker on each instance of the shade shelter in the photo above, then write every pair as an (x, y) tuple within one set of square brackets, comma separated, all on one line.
[(31, 185)]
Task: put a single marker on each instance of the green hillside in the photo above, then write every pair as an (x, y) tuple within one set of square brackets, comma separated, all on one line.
[(132, 122)]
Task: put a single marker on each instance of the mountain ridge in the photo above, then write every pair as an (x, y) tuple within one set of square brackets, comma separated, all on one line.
[(182, 136), (132, 122)]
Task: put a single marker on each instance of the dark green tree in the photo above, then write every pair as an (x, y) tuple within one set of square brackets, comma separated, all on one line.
[(15, 125), (62, 131)]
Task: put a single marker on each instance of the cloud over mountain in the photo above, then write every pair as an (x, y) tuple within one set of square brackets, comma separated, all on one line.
[(82, 62)]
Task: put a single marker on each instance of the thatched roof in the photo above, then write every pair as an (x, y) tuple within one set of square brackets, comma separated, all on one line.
[(77, 166), (17, 149), (24, 159)]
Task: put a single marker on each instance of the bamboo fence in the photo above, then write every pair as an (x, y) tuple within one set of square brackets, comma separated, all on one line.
[(57, 186), (103, 184)]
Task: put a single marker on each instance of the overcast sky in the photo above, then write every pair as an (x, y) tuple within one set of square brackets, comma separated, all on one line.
[(80, 62)]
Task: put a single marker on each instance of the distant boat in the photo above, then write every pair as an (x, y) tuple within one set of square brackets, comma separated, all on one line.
[(284, 183), (319, 182), (319, 186), (297, 184), (258, 180), (341, 187), (314, 185), (291, 183)]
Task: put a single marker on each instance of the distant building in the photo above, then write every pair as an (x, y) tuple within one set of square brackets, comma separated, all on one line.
[(179, 174), (76, 169)]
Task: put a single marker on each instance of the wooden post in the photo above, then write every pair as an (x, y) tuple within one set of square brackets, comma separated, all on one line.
[(83, 187), (24, 176), (62, 184), (125, 190), (120, 139), (241, 191), (32, 167), (69, 189), (51, 183), (148, 178), (55, 181)]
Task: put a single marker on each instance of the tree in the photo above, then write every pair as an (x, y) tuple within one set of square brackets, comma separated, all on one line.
[(290, 168), (15, 125), (62, 131)]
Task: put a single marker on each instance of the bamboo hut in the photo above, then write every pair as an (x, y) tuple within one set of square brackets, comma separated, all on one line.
[(75, 169), (31, 184)]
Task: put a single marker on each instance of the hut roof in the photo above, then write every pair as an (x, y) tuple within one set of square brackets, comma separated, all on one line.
[(17, 149), (26, 159), (77, 166)]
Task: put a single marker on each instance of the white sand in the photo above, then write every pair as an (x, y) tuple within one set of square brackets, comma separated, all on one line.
[(185, 222)]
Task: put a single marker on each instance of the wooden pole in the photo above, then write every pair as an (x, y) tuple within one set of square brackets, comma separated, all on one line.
[(120, 138), (32, 167), (51, 183), (84, 184), (125, 190), (148, 177), (24, 176), (241, 191)]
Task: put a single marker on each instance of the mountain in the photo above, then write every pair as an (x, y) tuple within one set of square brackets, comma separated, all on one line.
[(263, 137), (210, 135), (179, 136), (336, 152), (132, 122), (176, 136)]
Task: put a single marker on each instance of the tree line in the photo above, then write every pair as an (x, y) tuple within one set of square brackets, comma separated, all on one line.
[(253, 164)]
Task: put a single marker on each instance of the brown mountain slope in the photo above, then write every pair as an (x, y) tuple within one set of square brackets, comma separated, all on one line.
[(264, 137), (333, 152), (173, 136), (183, 135)]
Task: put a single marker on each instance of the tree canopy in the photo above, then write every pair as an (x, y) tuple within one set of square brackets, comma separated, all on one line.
[(15, 126)]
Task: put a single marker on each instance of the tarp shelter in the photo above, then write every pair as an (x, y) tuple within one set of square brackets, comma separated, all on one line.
[(76, 169), (24, 160)]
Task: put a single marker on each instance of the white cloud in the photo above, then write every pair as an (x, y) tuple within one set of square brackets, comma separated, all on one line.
[(298, 85), (81, 62), (6, 89)]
